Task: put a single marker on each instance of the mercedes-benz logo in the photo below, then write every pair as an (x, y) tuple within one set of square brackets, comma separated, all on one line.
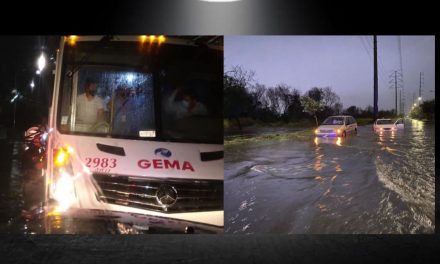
[(166, 195)]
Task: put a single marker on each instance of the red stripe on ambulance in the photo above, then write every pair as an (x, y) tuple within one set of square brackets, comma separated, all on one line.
[(165, 164)]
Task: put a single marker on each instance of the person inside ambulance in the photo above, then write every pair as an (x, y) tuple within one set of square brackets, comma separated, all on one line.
[(122, 110), (89, 108), (187, 106)]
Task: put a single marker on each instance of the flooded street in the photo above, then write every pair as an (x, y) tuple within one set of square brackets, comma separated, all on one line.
[(366, 183), (11, 201)]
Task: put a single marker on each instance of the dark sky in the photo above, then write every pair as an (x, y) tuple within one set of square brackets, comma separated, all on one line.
[(344, 63), (18, 67), (18, 55)]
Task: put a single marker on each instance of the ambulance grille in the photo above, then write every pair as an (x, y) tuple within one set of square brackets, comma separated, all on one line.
[(164, 195)]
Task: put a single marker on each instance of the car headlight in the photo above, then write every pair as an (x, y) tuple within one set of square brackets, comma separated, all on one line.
[(63, 187), (62, 156), (64, 191)]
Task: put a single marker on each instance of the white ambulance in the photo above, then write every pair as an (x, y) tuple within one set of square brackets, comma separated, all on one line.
[(136, 130)]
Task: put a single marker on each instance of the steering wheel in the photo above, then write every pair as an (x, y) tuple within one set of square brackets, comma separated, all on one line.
[(100, 127)]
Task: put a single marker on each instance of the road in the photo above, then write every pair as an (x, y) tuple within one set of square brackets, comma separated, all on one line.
[(365, 183)]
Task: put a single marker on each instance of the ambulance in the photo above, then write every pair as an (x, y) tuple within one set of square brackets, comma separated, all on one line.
[(151, 148)]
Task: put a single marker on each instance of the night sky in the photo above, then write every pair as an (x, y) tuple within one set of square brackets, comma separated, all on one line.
[(344, 63), (19, 56)]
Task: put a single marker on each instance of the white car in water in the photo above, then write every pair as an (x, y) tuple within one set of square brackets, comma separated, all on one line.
[(337, 126), (385, 124)]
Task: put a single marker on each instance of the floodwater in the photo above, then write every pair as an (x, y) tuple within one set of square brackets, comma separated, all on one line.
[(365, 183)]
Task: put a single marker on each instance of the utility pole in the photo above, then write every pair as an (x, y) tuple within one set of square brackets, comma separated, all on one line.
[(395, 87), (400, 102), (396, 84), (375, 78), (420, 87)]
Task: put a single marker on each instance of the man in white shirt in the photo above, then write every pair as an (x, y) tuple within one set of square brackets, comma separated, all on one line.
[(89, 107)]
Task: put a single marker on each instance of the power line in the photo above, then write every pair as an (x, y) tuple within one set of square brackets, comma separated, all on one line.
[(382, 68), (402, 103), (397, 85)]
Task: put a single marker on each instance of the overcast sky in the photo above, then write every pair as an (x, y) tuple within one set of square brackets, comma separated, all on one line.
[(344, 63)]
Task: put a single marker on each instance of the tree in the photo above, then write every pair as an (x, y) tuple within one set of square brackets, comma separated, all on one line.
[(311, 106), (428, 109), (257, 92), (236, 98), (273, 99), (329, 98), (337, 108), (352, 110), (315, 93), (295, 109), (241, 77), (237, 101), (425, 110), (416, 112), (367, 112)]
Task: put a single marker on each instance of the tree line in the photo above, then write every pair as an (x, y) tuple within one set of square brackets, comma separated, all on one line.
[(424, 111), (243, 97)]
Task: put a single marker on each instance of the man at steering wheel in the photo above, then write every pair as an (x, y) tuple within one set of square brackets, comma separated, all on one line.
[(89, 107)]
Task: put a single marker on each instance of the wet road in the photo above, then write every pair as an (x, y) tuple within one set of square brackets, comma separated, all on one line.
[(10, 186), (21, 192), (367, 183)]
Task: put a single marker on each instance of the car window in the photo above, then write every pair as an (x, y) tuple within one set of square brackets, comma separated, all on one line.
[(384, 122), (347, 121), (334, 120)]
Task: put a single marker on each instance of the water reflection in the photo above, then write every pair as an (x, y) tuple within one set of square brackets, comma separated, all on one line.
[(328, 140), (369, 183)]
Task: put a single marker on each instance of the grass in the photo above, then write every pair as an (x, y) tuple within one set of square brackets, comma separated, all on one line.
[(303, 135), (304, 123), (364, 121)]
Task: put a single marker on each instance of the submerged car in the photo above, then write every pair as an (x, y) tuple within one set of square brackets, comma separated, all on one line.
[(385, 124), (337, 126)]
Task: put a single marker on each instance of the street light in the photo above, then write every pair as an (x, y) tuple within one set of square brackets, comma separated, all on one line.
[(420, 98), (41, 62), (14, 99)]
